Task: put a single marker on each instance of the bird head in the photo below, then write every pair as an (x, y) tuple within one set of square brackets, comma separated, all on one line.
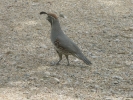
[(51, 17)]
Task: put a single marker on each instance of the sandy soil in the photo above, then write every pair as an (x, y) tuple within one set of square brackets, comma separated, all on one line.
[(103, 29)]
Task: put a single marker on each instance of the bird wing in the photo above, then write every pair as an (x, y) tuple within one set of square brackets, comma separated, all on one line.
[(65, 43)]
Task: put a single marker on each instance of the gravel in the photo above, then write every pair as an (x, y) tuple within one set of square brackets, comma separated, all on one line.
[(103, 29)]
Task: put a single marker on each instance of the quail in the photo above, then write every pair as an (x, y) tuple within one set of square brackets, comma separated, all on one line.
[(63, 44)]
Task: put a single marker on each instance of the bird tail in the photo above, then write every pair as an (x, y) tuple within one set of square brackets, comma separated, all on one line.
[(83, 58)]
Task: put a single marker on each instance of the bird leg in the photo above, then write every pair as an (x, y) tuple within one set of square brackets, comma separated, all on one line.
[(60, 58), (67, 60)]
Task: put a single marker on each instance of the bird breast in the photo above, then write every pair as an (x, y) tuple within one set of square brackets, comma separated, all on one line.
[(60, 48)]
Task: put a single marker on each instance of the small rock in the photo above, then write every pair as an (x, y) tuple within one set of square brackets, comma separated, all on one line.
[(128, 29), (94, 56), (45, 77), (76, 60), (131, 40), (33, 78), (26, 92), (57, 80), (131, 66), (21, 67), (52, 63), (9, 52), (86, 32), (1, 56), (131, 28), (117, 40), (69, 80), (41, 55), (104, 31), (113, 98), (96, 72), (115, 82), (96, 86), (47, 73), (77, 83), (35, 3), (13, 62), (131, 94), (93, 90), (43, 46), (117, 77), (108, 98), (129, 63), (50, 3), (42, 79), (61, 15), (33, 88)]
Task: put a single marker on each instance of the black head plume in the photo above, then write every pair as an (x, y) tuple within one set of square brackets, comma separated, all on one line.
[(43, 13), (52, 18)]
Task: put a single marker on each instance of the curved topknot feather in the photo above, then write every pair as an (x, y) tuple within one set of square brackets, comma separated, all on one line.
[(53, 15), (49, 14), (43, 13)]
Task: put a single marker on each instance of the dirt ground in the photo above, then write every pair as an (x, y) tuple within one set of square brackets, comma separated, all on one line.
[(103, 30)]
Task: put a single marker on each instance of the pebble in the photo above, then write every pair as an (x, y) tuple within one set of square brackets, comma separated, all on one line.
[(43, 46), (47, 73), (94, 56), (41, 55), (104, 31), (21, 67), (35, 3), (131, 28), (108, 98), (33, 88), (86, 32), (61, 15), (1, 56), (117, 77), (93, 90), (117, 40), (131, 66), (97, 86), (114, 98), (13, 62), (129, 63), (131, 95), (131, 40), (116, 82), (76, 60), (57, 80)]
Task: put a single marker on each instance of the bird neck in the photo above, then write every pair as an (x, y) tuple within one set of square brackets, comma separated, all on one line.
[(55, 27)]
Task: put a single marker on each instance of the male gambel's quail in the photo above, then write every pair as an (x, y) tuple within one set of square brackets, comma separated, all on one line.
[(62, 43)]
